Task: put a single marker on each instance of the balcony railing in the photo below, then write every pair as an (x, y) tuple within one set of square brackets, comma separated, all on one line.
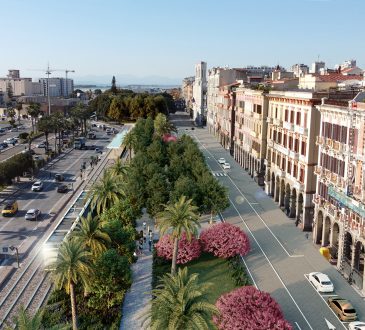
[(254, 134), (334, 178), (320, 140), (269, 120), (277, 121), (288, 126)]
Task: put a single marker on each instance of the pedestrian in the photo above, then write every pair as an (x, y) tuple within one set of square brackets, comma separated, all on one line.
[(141, 246), (287, 210), (306, 235), (144, 225), (150, 244)]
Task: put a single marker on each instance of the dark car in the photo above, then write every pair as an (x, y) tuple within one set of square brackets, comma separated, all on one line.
[(59, 177), (62, 188), (4, 145)]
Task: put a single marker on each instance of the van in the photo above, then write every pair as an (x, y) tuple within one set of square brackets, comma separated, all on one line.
[(10, 208)]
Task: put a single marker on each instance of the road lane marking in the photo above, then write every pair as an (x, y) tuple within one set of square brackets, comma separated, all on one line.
[(296, 323), (254, 210), (271, 265)]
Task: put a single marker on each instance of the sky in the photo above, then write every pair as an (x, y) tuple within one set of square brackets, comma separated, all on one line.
[(160, 41)]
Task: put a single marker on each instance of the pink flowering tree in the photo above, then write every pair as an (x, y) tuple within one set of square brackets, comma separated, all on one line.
[(224, 240), (187, 251), (250, 309)]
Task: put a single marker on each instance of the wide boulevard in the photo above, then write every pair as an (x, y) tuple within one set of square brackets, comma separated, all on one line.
[(281, 254)]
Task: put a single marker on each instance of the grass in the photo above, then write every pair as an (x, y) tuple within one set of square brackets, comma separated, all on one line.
[(210, 269), (215, 271)]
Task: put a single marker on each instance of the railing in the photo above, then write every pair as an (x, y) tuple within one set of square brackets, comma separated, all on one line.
[(320, 140), (269, 120), (277, 121)]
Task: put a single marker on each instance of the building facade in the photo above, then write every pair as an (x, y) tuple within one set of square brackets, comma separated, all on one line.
[(293, 124), (58, 87), (200, 93), (187, 93), (250, 131), (340, 197)]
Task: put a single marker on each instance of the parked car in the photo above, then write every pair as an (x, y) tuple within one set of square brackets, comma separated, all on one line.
[(4, 145), (226, 166), (33, 214), (62, 188), (28, 151), (321, 282), (10, 208), (357, 325), (10, 141), (221, 161), (59, 177), (342, 308), (14, 129), (37, 186), (41, 145)]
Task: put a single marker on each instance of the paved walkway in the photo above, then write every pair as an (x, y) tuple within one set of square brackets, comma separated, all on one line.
[(138, 297)]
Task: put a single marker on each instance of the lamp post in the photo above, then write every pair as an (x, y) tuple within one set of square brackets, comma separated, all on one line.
[(48, 72)]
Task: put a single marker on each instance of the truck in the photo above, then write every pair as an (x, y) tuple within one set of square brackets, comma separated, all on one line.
[(91, 136), (80, 143)]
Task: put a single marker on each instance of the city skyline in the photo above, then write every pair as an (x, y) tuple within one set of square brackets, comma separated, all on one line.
[(155, 43)]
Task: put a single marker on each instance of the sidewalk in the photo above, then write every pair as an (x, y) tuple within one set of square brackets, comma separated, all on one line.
[(138, 297)]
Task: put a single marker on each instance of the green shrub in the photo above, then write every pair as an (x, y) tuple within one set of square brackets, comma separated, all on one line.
[(238, 271)]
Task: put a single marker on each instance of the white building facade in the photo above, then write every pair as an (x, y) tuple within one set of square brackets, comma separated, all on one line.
[(200, 93)]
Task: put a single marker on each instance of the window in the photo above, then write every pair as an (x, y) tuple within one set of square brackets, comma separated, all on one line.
[(286, 114), (283, 164), (296, 145), (290, 142), (259, 109), (298, 118), (285, 140), (295, 170), (301, 175), (289, 167), (292, 116), (303, 149)]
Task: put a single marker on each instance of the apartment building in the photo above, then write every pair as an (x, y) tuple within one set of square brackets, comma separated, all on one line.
[(187, 92), (250, 130), (200, 93), (58, 87), (339, 221), (293, 124)]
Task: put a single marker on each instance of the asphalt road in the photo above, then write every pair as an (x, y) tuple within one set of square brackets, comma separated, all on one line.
[(281, 255), (16, 230)]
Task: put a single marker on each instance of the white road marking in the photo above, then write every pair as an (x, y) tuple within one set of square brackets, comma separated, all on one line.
[(254, 210), (271, 265), (296, 323)]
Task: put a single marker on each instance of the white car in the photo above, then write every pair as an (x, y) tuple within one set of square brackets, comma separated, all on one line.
[(41, 145), (226, 166), (37, 186), (357, 325), (10, 140), (321, 282), (221, 161)]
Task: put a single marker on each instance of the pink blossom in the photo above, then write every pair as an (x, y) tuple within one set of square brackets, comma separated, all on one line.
[(224, 240), (250, 309), (187, 251)]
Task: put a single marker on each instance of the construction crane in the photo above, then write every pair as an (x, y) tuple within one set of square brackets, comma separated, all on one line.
[(48, 71)]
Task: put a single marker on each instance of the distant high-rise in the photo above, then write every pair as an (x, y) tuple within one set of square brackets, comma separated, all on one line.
[(13, 74), (300, 70), (317, 67), (57, 87)]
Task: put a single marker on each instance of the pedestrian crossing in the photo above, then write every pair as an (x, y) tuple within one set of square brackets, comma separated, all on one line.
[(219, 173)]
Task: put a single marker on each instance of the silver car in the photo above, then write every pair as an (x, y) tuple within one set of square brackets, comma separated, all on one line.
[(33, 214)]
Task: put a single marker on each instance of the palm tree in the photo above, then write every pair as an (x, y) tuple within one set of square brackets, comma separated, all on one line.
[(181, 303), (34, 110), (162, 125), (178, 218), (45, 125), (118, 169), (24, 321), (106, 192), (129, 142), (73, 266), (91, 234)]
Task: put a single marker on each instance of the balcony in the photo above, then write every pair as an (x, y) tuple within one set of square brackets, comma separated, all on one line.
[(301, 130), (294, 155), (270, 143), (257, 116), (340, 182), (298, 185), (254, 134), (281, 173), (269, 120), (318, 170), (334, 178), (329, 143), (288, 126), (277, 121), (319, 140)]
